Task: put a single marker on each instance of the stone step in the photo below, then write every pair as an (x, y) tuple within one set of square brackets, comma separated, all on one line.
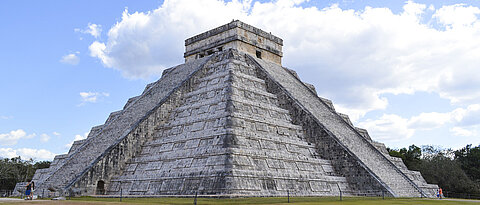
[(206, 89), (147, 88), (236, 134), (258, 104), (113, 116), (340, 129), (131, 100), (195, 123), (94, 148), (364, 134), (169, 151), (264, 123)]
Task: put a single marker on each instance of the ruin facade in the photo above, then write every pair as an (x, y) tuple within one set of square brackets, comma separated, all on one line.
[(229, 122)]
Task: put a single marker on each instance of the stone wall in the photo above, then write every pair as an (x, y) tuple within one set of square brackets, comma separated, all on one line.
[(113, 162), (235, 35), (175, 161), (344, 163), (366, 155), (228, 137), (273, 156), (117, 127)]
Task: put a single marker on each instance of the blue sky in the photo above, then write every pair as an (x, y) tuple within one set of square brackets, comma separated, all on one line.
[(408, 71)]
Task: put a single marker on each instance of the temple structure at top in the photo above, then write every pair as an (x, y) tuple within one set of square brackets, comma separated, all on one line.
[(235, 35)]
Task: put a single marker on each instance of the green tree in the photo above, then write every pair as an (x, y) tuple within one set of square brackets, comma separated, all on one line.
[(17, 170), (411, 157), (439, 167), (395, 153), (469, 159), (42, 165), (443, 167)]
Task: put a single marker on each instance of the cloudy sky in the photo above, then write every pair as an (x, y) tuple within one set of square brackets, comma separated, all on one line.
[(408, 71)]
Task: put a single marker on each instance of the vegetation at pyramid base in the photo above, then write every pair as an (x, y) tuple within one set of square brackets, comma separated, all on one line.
[(456, 172), (469, 159), (17, 170)]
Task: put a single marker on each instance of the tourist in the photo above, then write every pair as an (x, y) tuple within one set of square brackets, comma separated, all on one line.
[(28, 191), (33, 189)]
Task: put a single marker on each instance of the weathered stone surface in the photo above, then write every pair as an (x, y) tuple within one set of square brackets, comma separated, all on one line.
[(118, 126), (226, 127), (338, 127), (235, 35), (230, 122)]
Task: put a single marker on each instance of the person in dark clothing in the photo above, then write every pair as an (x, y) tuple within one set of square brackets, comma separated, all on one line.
[(28, 191)]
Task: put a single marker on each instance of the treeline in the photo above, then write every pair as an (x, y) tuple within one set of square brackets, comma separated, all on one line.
[(17, 170), (457, 172)]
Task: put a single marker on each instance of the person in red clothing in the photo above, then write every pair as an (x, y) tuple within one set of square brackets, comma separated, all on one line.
[(440, 193)]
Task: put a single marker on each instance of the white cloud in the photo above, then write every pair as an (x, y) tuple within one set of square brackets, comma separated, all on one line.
[(27, 153), (44, 137), (467, 117), (141, 45), (353, 55), (13, 136), (71, 59), (429, 120), (56, 133), (97, 49), (92, 97), (458, 15), (465, 121), (5, 117), (388, 127), (458, 131), (77, 137), (8, 153), (93, 29)]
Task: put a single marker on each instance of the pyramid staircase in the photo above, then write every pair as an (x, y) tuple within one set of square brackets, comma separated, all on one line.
[(229, 137), (343, 133), (105, 145), (229, 124)]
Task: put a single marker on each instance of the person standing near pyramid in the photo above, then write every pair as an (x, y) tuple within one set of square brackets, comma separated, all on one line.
[(28, 191)]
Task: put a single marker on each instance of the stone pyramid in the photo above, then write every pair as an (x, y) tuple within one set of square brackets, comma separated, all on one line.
[(230, 121)]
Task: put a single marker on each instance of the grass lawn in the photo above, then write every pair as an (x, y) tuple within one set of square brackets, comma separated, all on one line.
[(275, 200), (259, 200)]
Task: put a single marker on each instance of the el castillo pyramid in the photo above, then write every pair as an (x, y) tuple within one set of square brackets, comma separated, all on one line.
[(229, 122)]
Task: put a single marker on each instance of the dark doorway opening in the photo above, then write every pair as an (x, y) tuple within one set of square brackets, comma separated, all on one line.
[(259, 54), (100, 188)]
